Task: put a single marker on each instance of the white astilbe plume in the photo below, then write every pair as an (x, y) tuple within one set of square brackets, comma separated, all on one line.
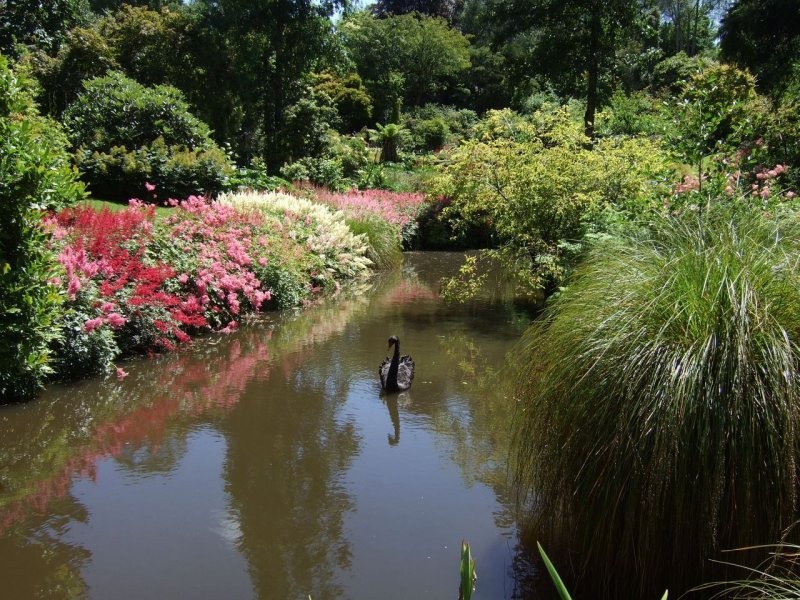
[(323, 230)]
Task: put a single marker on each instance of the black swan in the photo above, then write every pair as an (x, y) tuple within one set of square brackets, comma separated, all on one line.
[(396, 373)]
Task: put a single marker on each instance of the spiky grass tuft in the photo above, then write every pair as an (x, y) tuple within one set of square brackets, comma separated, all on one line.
[(383, 244), (659, 401)]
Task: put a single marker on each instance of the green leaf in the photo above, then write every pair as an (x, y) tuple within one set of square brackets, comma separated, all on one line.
[(562, 589), (468, 575)]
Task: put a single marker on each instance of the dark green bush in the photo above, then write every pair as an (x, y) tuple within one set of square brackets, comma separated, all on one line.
[(254, 177), (125, 134), (350, 98), (432, 125), (79, 353), (671, 74), (430, 134), (34, 174), (631, 114), (326, 172)]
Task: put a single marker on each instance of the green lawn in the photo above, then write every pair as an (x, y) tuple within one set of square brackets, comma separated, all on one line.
[(98, 204)]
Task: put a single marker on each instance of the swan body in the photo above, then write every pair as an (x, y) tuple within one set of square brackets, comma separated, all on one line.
[(396, 373)]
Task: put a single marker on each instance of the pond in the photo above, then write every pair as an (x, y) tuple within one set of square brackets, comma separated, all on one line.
[(267, 463)]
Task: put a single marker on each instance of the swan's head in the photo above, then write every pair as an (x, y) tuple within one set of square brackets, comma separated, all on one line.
[(393, 340)]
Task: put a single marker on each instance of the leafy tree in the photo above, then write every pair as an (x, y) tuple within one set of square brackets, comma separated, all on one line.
[(108, 6), (764, 37), (307, 123), (447, 9), (351, 99), (420, 55), (38, 24), (687, 25), (34, 175), (126, 134), (277, 43), (716, 112), (85, 53), (571, 43)]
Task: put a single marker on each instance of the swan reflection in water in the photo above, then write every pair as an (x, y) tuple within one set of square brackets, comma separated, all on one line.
[(393, 403)]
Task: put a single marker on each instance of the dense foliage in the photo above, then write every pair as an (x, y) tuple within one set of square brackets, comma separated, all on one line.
[(125, 134), (764, 37), (34, 175), (538, 190)]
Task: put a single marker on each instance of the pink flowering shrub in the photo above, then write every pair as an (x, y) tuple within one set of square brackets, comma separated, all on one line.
[(400, 209), (116, 297), (220, 256), (137, 284)]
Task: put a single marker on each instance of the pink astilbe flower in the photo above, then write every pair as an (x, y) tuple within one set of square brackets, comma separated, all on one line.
[(116, 320), (92, 324), (398, 208)]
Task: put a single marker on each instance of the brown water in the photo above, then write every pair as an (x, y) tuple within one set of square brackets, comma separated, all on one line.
[(267, 464)]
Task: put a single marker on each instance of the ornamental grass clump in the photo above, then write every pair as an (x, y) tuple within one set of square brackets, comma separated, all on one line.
[(659, 404)]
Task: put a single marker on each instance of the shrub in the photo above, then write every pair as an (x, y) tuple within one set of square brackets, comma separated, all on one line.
[(326, 172), (125, 134), (430, 134), (351, 99), (81, 353), (673, 434), (717, 111), (110, 280), (538, 190), (673, 73), (781, 135), (631, 114), (337, 252), (34, 175), (399, 209), (431, 127), (254, 177)]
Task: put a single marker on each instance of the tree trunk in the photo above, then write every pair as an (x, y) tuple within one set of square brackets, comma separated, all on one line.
[(594, 72)]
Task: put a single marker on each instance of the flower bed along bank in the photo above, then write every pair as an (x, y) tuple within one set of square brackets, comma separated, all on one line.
[(137, 284)]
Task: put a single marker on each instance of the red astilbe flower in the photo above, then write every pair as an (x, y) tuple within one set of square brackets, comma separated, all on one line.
[(109, 250)]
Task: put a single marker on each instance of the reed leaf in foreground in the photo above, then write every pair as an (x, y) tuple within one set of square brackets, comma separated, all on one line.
[(658, 401), (467, 574)]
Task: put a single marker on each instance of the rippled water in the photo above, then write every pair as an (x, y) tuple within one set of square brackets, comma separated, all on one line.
[(267, 464)]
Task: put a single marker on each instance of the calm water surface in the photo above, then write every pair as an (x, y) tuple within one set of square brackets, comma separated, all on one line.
[(267, 464)]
